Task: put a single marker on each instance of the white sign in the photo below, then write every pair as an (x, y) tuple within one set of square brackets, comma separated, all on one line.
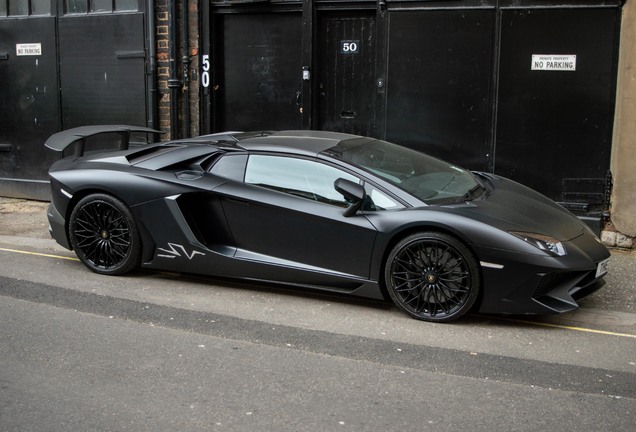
[(551, 62), (28, 49)]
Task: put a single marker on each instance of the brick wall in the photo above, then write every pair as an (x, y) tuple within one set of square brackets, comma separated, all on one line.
[(163, 68)]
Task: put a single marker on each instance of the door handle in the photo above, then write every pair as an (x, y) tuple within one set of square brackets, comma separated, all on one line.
[(237, 201)]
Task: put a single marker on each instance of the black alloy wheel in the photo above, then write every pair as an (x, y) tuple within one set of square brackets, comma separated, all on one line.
[(104, 235), (432, 276)]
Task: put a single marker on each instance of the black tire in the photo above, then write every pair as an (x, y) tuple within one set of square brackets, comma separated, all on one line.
[(432, 276), (104, 235)]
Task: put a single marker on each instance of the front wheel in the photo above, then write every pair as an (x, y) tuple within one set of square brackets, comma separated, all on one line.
[(432, 276), (104, 235)]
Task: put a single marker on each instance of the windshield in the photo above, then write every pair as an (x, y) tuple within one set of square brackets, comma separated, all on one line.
[(429, 179)]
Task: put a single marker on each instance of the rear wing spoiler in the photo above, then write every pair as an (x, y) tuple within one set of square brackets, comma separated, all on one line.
[(60, 141)]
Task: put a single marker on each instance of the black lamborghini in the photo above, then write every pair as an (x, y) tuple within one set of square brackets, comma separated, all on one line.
[(326, 211)]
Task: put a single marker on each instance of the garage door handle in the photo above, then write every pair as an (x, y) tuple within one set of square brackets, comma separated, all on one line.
[(348, 114), (130, 54), (4, 56)]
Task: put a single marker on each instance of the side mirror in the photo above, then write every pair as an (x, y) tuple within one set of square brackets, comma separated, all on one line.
[(352, 192)]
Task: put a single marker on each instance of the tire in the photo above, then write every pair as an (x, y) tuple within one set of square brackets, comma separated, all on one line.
[(104, 235), (432, 277)]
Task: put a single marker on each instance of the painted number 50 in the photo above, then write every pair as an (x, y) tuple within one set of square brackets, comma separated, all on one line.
[(205, 75)]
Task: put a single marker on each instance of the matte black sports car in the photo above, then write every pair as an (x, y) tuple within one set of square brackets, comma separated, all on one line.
[(326, 211)]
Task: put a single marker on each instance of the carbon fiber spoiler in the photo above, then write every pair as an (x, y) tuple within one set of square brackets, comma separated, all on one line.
[(60, 141)]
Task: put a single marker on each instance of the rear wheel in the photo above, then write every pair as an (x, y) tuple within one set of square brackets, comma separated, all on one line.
[(432, 276), (104, 235)]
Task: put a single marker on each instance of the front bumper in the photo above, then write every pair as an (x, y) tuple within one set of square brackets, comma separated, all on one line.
[(541, 284), (57, 226)]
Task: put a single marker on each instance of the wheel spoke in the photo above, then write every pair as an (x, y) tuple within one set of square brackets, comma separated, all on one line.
[(452, 285), (437, 304)]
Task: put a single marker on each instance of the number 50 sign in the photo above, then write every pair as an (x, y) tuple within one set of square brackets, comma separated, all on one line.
[(349, 47), (205, 73)]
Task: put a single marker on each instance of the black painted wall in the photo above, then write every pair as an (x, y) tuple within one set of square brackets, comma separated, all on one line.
[(452, 78)]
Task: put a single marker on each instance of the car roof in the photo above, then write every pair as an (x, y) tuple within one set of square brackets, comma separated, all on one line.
[(295, 142), (307, 142)]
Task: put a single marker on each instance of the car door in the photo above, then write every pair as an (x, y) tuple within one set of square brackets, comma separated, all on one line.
[(287, 213)]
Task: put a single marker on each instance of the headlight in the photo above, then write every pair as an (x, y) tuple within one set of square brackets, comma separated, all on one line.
[(545, 243)]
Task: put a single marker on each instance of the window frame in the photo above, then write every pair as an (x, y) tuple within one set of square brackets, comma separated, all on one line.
[(5, 11), (89, 5)]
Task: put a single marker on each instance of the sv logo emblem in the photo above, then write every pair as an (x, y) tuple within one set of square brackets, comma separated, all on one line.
[(177, 250)]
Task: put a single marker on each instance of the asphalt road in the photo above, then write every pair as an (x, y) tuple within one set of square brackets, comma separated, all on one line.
[(160, 351)]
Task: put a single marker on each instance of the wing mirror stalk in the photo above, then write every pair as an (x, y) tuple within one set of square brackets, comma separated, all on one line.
[(353, 192)]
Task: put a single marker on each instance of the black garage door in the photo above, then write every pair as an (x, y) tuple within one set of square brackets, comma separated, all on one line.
[(64, 64)]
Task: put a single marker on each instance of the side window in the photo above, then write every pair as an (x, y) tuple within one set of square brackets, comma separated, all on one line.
[(25, 7), (231, 166), (298, 177), (378, 200)]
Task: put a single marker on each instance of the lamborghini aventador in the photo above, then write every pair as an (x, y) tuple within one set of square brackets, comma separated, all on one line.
[(321, 210)]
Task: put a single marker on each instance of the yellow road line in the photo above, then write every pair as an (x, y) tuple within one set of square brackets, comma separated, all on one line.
[(542, 324), (39, 254), (573, 328)]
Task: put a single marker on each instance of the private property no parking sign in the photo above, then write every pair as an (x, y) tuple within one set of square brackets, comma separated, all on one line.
[(549, 62), (28, 49)]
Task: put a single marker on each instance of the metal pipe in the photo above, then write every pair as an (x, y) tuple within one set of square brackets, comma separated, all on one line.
[(173, 81), (185, 64), (152, 117)]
